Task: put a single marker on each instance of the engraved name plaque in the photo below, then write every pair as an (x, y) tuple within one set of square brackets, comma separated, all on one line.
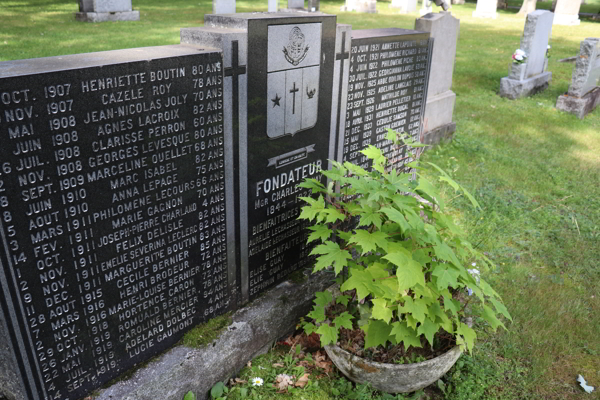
[(112, 202)]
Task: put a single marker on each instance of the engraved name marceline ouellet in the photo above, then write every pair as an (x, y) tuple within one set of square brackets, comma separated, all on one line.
[(293, 78)]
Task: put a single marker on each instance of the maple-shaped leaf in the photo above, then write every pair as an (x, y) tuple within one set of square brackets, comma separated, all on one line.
[(374, 154), (381, 310), (429, 192), (446, 276), (429, 329), (313, 209), (377, 333), (468, 335), (411, 321), (331, 254), (409, 272), (332, 215), (490, 316), (405, 334), (319, 232), (500, 307), (343, 320), (369, 217), (312, 184), (309, 328), (355, 169), (359, 280), (317, 313), (329, 334), (445, 252), (397, 217), (451, 305), (369, 241), (342, 299), (323, 298), (415, 307)]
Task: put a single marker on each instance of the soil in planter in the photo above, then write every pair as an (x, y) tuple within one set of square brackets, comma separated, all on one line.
[(353, 341)]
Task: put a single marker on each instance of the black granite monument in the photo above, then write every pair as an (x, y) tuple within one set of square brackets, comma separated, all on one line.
[(112, 196)]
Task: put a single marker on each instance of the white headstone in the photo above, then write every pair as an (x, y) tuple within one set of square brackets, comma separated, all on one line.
[(405, 6), (426, 8), (361, 6), (486, 9), (273, 5), (223, 6), (567, 12)]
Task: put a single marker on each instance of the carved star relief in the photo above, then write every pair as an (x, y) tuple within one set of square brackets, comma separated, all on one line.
[(276, 101)]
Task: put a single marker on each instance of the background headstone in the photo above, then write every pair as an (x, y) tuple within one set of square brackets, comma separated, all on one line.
[(567, 12), (444, 30), (361, 6), (583, 95), (387, 88), (458, 2), (296, 4), (273, 5), (106, 10), (405, 6), (426, 7), (486, 9), (531, 77), (314, 5), (223, 6), (115, 206)]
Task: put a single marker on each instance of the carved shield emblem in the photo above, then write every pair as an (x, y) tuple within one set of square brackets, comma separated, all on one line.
[(296, 50), (293, 73)]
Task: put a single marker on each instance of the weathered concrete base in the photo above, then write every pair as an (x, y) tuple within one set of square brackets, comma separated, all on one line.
[(579, 106), (439, 110), (254, 329), (441, 134), (111, 16), (514, 89)]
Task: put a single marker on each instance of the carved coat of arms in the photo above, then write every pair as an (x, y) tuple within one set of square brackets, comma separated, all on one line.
[(293, 71)]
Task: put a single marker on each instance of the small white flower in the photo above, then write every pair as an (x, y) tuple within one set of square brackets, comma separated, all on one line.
[(519, 57), (519, 52), (473, 264), (257, 381), (549, 47), (470, 291), (475, 274)]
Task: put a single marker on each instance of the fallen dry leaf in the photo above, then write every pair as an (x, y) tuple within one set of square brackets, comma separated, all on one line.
[(278, 365), (249, 364), (282, 381), (302, 381)]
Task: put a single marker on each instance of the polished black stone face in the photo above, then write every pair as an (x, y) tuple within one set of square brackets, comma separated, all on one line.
[(113, 210), (387, 88), (289, 116)]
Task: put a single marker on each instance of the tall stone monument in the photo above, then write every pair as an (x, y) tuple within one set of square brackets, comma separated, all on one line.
[(486, 9), (531, 76), (583, 95), (567, 12), (106, 10), (444, 30)]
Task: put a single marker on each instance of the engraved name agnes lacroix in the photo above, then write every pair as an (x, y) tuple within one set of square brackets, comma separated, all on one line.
[(293, 78)]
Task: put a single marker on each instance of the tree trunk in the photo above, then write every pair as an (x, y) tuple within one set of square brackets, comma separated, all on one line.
[(527, 7)]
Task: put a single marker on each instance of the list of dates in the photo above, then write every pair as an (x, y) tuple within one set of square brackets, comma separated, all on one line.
[(386, 89), (112, 210)]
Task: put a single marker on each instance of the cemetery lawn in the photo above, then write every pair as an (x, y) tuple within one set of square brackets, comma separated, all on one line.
[(534, 170)]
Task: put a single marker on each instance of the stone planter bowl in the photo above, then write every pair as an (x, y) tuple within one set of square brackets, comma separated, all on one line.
[(393, 378)]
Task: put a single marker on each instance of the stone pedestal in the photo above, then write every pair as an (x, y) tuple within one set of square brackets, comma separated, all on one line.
[(567, 12), (579, 106), (106, 10), (444, 30), (362, 6), (486, 9), (515, 88)]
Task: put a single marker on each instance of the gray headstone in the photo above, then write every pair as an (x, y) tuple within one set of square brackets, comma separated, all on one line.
[(567, 12), (486, 9), (426, 7), (583, 95), (314, 5), (296, 4), (536, 35), (106, 10), (113, 170), (444, 30), (223, 6), (104, 6)]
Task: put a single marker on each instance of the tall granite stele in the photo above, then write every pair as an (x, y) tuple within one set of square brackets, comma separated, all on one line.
[(106, 10), (444, 30), (583, 95), (531, 76), (486, 9), (567, 12)]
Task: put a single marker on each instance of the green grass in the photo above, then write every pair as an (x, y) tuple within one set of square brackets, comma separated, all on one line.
[(535, 171)]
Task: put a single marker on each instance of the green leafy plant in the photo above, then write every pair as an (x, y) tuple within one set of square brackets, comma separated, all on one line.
[(407, 276)]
